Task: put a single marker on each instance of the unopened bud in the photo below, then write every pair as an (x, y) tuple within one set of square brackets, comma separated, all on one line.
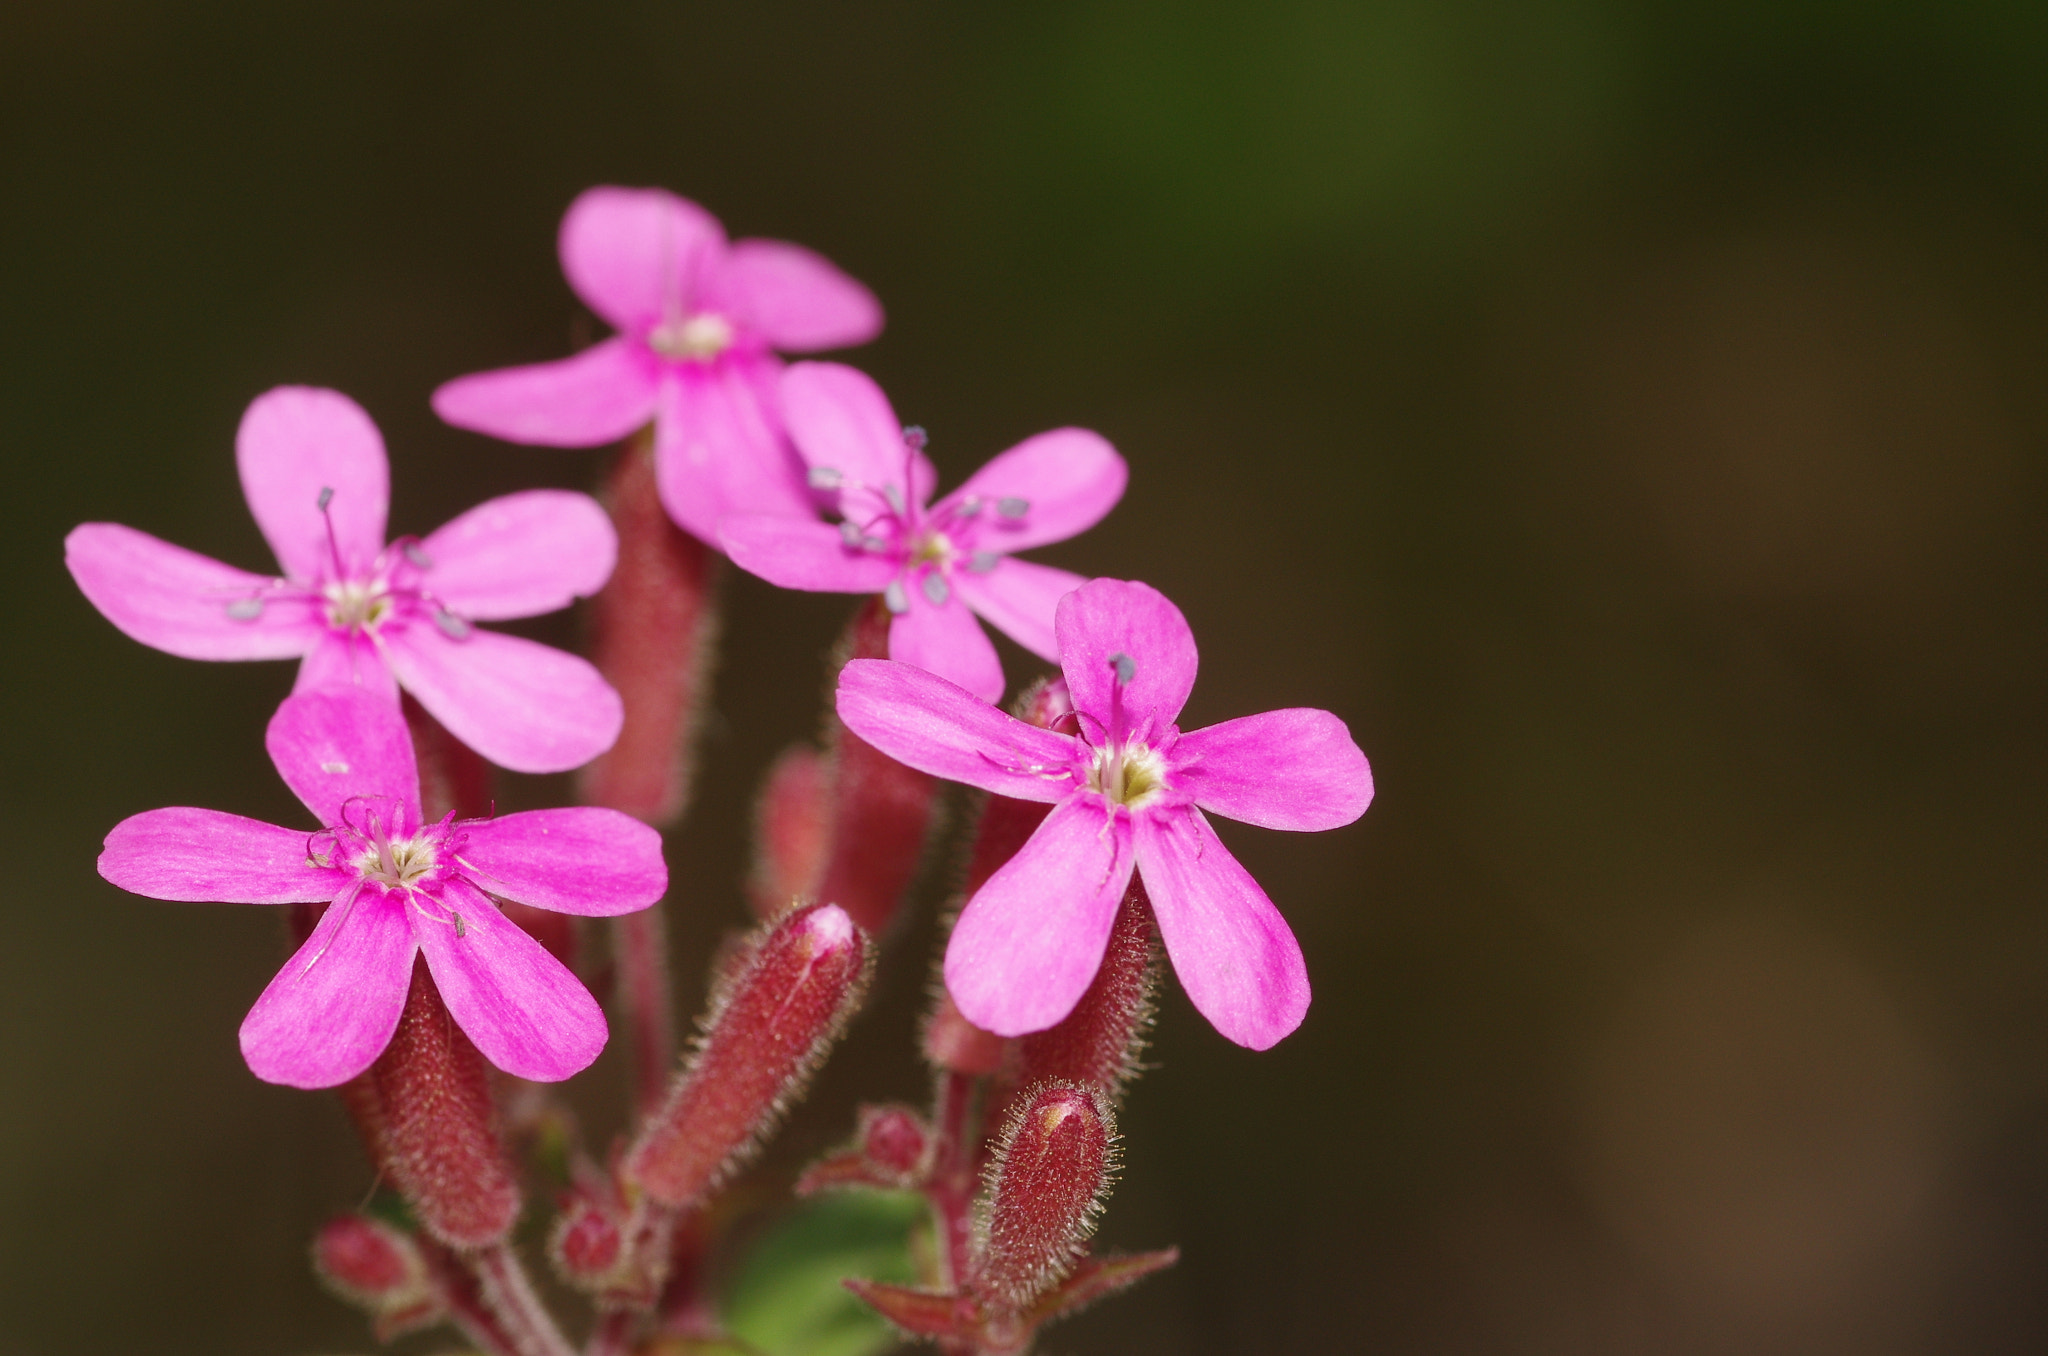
[(586, 1242), (881, 810), (379, 1269), (437, 1129), (1097, 1044), (775, 1021), (892, 1148), (792, 831), (1043, 1190)]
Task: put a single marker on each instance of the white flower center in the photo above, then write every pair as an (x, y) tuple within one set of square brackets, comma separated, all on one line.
[(356, 606), (1133, 775), (695, 339), (398, 864)]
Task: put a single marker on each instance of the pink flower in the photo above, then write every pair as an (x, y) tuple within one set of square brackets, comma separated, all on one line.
[(397, 886), (1128, 788), (936, 566), (698, 319), (374, 616)]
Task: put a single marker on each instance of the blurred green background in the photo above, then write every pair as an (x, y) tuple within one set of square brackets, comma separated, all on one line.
[(1630, 418)]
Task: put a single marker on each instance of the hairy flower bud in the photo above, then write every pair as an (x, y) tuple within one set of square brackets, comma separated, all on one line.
[(792, 831), (1097, 1044), (1043, 1189), (881, 810), (379, 1269), (586, 1242), (892, 1148), (769, 1028)]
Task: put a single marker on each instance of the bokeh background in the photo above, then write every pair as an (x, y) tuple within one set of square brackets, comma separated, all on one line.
[(1629, 417)]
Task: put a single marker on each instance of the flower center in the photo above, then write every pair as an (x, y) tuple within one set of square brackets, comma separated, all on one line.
[(398, 864), (1132, 775), (933, 548), (353, 605), (696, 339)]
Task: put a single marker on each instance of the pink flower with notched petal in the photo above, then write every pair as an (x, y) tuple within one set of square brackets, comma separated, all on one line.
[(939, 565), (368, 615), (397, 886), (699, 320), (1128, 790)]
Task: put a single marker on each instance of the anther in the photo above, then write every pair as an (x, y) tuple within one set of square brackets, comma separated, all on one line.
[(245, 609), (326, 498), (418, 556), (461, 928), (969, 506), (850, 534), (895, 599), (825, 477), (1125, 669), (915, 435), (452, 626), (874, 543), (981, 562), (1012, 506), (894, 494), (935, 588)]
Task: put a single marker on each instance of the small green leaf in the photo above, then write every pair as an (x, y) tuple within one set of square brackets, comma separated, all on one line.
[(787, 1298)]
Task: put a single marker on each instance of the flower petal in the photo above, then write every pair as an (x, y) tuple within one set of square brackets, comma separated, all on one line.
[(524, 1010), (718, 450), (797, 300), (595, 397), (520, 555), (1234, 953), (331, 1011), (1105, 618), (841, 421), (802, 553), (1069, 479), (579, 860), (947, 639), (1291, 769), (295, 443), (350, 660), (920, 719), (523, 705), (635, 255), (179, 601), (1031, 939), (208, 856), (1019, 598), (336, 745)]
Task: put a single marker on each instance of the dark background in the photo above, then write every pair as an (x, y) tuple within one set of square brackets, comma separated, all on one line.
[(1628, 417)]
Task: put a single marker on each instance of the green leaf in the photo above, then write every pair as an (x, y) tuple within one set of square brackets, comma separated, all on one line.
[(787, 1298)]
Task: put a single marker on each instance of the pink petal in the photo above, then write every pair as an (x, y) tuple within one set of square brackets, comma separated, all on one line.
[(346, 659), (523, 705), (920, 719), (1105, 618), (579, 860), (331, 1011), (1291, 769), (1068, 479), (205, 855), (717, 449), (1032, 937), (946, 639), (1234, 953), (841, 421), (336, 745), (797, 300), (802, 553), (597, 396), (177, 600), (295, 442), (527, 1013), (521, 555), (1019, 598), (635, 255)]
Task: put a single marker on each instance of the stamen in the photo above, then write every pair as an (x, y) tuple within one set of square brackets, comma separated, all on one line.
[(1125, 669), (326, 498), (418, 556), (895, 599), (915, 435), (968, 507), (452, 626), (981, 562), (874, 543), (825, 477), (894, 494), (936, 589), (850, 534), (245, 609), (1011, 506)]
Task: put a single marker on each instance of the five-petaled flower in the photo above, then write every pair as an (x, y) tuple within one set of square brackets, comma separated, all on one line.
[(396, 886), (376, 616), (699, 321), (935, 565), (1128, 789)]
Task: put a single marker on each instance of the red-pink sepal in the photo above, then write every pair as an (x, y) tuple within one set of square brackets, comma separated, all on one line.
[(792, 831), (768, 1029), (892, 1148), (881, 811), (1095, 1278), (955, 1318), (379, 1269), (1044, 1187)]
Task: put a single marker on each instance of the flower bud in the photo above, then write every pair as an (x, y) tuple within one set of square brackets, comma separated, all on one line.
[(586, 1242), (792, 831), (1097, 1044), (379, 1269), (1043, 1189), (435, 1126), (891, 1149), (655, 623), (765, 1034), (881, 810)]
